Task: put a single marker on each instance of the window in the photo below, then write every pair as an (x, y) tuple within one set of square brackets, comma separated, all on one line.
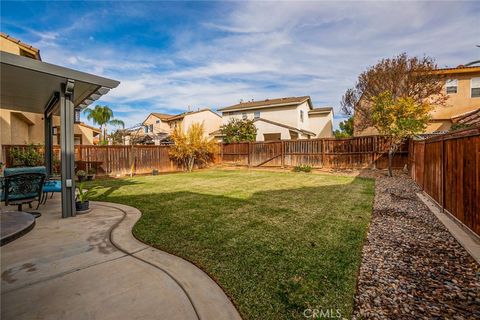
[(244, 116), (301, 115), (256, 114), (475, 88), (151, 128), (77, 139), (146, 129), (451, 86), (158, 121), (272, 136)]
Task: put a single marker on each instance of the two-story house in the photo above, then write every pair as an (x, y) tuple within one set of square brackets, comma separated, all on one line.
[(283, 118), (157, 127), (18, 127), (462, 87)]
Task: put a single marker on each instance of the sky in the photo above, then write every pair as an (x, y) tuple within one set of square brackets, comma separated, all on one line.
[(172, 55)]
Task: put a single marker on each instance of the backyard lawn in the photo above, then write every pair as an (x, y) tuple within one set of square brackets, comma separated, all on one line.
[(277, 242)]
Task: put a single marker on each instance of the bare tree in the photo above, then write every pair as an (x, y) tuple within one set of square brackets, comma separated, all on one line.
[(402, 76)]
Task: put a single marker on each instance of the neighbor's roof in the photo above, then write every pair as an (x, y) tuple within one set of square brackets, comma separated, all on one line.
[(83, 124), (22, 44), (162, 116), (279, 102), (310, 133), (472, 117), (457, 70), (321, 110), (182, 115)]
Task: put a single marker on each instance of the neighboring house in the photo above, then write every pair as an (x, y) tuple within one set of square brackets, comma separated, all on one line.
[(462, 86), (157, 127), (283, 118), (25, 127)]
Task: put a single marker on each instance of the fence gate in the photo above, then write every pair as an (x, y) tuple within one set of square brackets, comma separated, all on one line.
[(265, 154)]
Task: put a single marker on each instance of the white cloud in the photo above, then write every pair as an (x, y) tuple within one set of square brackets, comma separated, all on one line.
[(265, 50)]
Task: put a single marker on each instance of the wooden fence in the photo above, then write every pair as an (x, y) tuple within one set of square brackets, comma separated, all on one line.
[(358, 152), (111, 160), (447, 168)]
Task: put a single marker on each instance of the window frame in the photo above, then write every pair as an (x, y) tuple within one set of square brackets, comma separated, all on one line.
[(477, 87), (451, 86), (256, 115), (301, 116)]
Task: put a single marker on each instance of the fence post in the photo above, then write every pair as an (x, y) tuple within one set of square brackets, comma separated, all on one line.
[(323, 153), (443, 174), (283, 153), (249, 152), (374, 152)]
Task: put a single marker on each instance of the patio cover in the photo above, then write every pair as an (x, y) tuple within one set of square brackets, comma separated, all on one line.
[(35, 86)]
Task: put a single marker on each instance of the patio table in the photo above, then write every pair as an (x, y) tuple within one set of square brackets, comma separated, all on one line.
[(15, 224)]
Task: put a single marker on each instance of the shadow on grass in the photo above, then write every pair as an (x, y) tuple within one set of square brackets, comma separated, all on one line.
[(275, 253)]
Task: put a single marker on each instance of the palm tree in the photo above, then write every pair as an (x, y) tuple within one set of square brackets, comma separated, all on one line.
[(103, 116)]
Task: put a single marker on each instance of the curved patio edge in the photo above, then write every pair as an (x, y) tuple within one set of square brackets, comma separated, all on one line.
[(207, 297)]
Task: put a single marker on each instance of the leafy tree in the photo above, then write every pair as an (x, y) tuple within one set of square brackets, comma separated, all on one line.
[(118, 136), (239, 131), (399, 118), (192, 147), (103, 116), (395, 96), (402, 76), (346, 129)]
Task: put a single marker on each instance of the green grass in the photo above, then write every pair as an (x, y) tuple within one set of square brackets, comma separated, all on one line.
[(276, 242)]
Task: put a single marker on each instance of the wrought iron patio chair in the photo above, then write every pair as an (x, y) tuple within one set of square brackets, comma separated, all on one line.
[(23, 188)]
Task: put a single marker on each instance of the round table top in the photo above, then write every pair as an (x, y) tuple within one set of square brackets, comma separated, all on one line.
[(15, 224)]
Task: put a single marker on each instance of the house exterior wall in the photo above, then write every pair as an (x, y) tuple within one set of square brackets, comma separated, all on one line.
[(158, 124), (16, 130), (210, 121), (9, 46), (288, 115), (265, 127), (322, 124)]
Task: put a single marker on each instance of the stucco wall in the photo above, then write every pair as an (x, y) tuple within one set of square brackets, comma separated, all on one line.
[(286, 115), (322, 125), (16, 130), (161, 126), (9, 46), (265, 127), (211, 122), (460, 102)]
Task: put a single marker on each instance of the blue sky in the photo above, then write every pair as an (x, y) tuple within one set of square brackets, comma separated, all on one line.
[(171, 55)]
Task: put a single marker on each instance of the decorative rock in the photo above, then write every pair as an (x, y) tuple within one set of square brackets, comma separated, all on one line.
[(412, 267)]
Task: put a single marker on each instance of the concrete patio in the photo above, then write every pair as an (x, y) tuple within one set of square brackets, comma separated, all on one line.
[(91, 267)]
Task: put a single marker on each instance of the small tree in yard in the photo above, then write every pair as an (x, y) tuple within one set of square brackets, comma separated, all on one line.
[(395, 96), (239, 131), (346, 129), (192, 147), (399, 119)]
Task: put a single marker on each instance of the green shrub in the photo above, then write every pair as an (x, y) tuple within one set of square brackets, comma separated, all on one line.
[(28, 156), (302, 168)]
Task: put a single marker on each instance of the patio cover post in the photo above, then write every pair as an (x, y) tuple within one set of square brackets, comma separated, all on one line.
[(67, 149), (48, 143)]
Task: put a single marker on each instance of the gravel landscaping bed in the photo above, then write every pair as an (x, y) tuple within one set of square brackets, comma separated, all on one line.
[(412, 267)]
